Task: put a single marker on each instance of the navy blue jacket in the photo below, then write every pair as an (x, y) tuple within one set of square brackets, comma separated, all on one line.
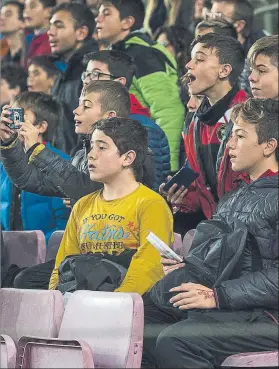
[(158, 143)]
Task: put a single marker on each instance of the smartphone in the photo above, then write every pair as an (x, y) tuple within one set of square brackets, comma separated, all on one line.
[(17, 116), (184, 177)]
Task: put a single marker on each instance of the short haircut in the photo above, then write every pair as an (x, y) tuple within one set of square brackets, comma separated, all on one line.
[(20, 7), (113, 96), (44, 107), (267, 46), (127, 134), (14, 75), (48, 3), (119, 63), (243, 10), (263, 113), (227, 49), (81, 14), (220, 26), (46, 62), (129, 8)]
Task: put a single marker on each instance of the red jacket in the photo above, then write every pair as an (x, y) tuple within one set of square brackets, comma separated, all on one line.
[(39, 46), (137, 108), (205, 147)]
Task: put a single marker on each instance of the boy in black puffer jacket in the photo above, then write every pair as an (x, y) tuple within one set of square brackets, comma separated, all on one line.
[(224, 299)]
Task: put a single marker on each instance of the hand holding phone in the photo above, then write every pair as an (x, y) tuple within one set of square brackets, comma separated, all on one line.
[(6, 133), (184, 177), (16, 116)]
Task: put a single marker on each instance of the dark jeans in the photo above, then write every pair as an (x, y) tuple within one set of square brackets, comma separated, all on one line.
[(36, 277), (203, 338)]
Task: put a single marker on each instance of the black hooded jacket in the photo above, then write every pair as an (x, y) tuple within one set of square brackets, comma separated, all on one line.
[(67, 90)]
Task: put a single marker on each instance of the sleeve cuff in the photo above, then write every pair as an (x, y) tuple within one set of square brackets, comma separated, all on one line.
[(220, 298), (6, 145), (31, 149), (36, 151)]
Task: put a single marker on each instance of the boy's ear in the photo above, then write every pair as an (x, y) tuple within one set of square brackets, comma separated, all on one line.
[(129, 158), (122, 80), (225, 71), (42, 126), (110, 114), (239, 25), (127, 23), (270, 147), (82, 33)]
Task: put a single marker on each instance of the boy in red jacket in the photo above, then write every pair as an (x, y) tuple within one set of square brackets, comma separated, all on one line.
[(217, 61)]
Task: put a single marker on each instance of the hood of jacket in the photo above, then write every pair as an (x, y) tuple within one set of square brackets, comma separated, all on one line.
[(210, 114), (140, 38), (137, 108)]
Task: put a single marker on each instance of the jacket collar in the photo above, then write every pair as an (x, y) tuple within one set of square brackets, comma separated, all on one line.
[(246, 178), (75, 61), (210, 115)]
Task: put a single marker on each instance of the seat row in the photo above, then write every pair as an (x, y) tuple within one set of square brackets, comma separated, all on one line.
[(96, 329), (28, 248)]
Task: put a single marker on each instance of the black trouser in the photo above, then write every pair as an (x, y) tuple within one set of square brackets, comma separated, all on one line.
[(36, 277), (203, 339)]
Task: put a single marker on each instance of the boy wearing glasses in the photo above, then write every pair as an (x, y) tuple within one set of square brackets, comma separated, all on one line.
[(240, 14)]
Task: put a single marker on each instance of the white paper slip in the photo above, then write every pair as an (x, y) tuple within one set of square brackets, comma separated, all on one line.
[(163, 249)]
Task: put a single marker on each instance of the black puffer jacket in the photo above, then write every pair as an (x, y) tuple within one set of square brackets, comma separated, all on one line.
[(49, 175), (256, 205), (67, 90), (236, 252)]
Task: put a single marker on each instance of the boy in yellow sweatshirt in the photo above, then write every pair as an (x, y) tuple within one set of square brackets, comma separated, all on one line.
[(121, 215)]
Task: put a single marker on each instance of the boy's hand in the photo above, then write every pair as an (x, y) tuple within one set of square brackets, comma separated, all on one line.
[(5, 132), (174, 196), (193, 296), (30, 134), (170, 265)]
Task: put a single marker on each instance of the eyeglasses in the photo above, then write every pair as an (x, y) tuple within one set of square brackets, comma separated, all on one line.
[(96, 75), (209, 15)]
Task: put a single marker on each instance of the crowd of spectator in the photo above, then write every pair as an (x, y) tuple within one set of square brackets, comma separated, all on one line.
[(117, 96)]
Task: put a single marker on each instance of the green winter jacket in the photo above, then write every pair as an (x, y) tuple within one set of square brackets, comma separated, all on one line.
[(155, 86)]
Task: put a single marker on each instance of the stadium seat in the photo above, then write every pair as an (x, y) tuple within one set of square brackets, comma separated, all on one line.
[(177, 244), (43, 354), (25, 248), (7, 352), (110, 323), (253, 360), (30, 312), (187, 242), (53, 245)]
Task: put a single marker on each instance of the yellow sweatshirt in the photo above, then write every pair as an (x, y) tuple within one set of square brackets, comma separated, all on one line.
[(96, 225)]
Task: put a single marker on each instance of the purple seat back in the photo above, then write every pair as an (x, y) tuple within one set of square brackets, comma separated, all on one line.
[(53, 353), (111, 323), (7, 352), (53, 244), (25, 248), (177, 244), (253, 360), (187, 242), (30, 312)]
